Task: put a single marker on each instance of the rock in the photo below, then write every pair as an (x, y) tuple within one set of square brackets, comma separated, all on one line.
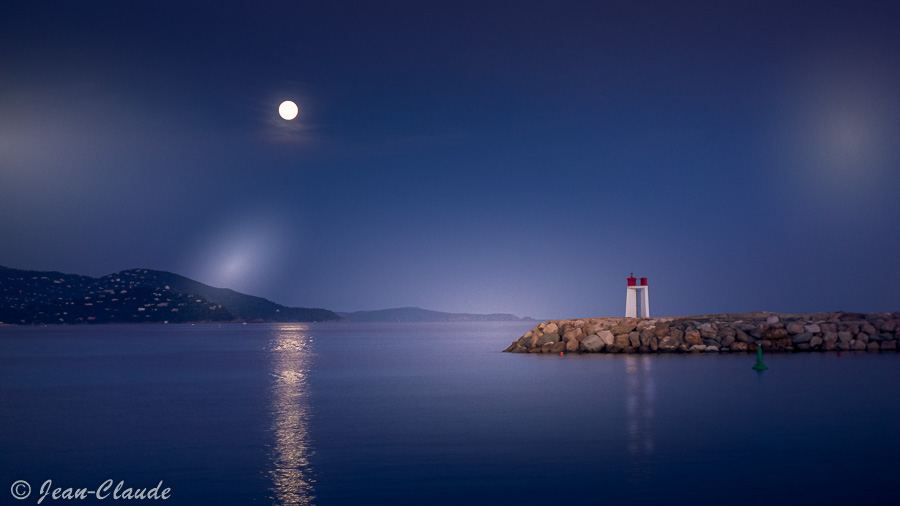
[(697, 347), (692, 338), (889, 326), (546, 347), (646, 336), (624, 327), (803, 346), (803, 337), (742, 336), (889, 345), (712, 349), (710, 342), (727, 341), (830, 345), (607, 337), (773, 334), (845, 336), (812, 328), (572, 345), (592, 344), (843, 346), (739, 346), (859, 345), (772, 319), (830, 336), (645, 324), (558, 347), (708, 331), (795, 327), (548, 339), (862, 336), (579, 324), (816, 341), (828, 327), (869, 329), (593, 328), (622, 341), (668, 344), (661, 330), (872, 347), (520, 349), (678, 334), (635, 339), (551, 328)]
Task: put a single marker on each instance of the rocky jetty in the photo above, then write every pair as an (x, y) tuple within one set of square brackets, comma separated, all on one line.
[(717, 333)]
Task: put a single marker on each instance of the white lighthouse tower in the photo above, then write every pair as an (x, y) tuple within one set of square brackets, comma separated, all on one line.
[(637, 300)]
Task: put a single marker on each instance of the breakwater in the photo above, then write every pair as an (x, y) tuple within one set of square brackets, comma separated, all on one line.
[(716, 333)]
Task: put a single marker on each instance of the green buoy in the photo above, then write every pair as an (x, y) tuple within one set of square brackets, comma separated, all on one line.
[(759, 365)]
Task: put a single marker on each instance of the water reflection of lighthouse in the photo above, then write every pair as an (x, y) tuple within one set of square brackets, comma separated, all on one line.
[(292, 481), (640, 393)]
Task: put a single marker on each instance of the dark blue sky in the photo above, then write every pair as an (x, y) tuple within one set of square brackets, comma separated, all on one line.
[(519, 157)]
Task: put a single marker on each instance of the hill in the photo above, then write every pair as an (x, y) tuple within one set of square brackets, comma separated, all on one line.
[(415, 314), (133, 296)]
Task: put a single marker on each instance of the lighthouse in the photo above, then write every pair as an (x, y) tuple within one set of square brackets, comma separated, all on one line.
[(637, 300)]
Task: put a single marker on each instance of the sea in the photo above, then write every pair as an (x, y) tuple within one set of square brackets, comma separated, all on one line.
[(431, 414)]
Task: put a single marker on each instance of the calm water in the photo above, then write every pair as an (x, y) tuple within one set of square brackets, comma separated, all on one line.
[(434, 413)]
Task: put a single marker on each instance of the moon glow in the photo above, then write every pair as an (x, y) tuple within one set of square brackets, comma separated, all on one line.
[(288, 110)]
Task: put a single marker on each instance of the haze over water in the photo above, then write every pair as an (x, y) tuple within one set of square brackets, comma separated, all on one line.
[(434, 413)]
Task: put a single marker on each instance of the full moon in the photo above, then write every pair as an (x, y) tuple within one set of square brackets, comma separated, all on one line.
[(288, 110)]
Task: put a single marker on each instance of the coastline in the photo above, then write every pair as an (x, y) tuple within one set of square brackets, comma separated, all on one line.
[(715, 333)]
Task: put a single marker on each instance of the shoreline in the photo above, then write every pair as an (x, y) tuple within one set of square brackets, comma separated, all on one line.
[(715, 333)]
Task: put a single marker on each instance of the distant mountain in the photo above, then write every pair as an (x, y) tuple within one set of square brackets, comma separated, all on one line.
[(415, 314), (133, 296)]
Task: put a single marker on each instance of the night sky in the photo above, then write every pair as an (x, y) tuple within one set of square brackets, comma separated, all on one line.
[(518, 157)]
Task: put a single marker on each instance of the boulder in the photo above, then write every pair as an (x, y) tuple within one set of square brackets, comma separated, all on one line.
[(830, 345), (668, 344), (520, 349), (624, 327), (646, 336), (742, 336), (795, 327), (634, 339), (859, 345), (551, 328), (862, 336), (828, 327), (572, 345), (548, 339), (772, 319), (868, 329), (712, 349), (889, 326), (873, 346), (697, 347), (845, 336), (727, 341), (708, 331), (592, 344), (546, 347), (607, 337), (803, 337), (739, 346), (622, 341), (812, 328), (692, 338), (889, 345), (816, 341), (661, 330)]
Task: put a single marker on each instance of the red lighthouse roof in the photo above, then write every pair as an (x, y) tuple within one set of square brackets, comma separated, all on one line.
[(632, 281)]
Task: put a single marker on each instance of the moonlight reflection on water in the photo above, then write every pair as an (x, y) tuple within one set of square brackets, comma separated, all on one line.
[(290, 472)]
